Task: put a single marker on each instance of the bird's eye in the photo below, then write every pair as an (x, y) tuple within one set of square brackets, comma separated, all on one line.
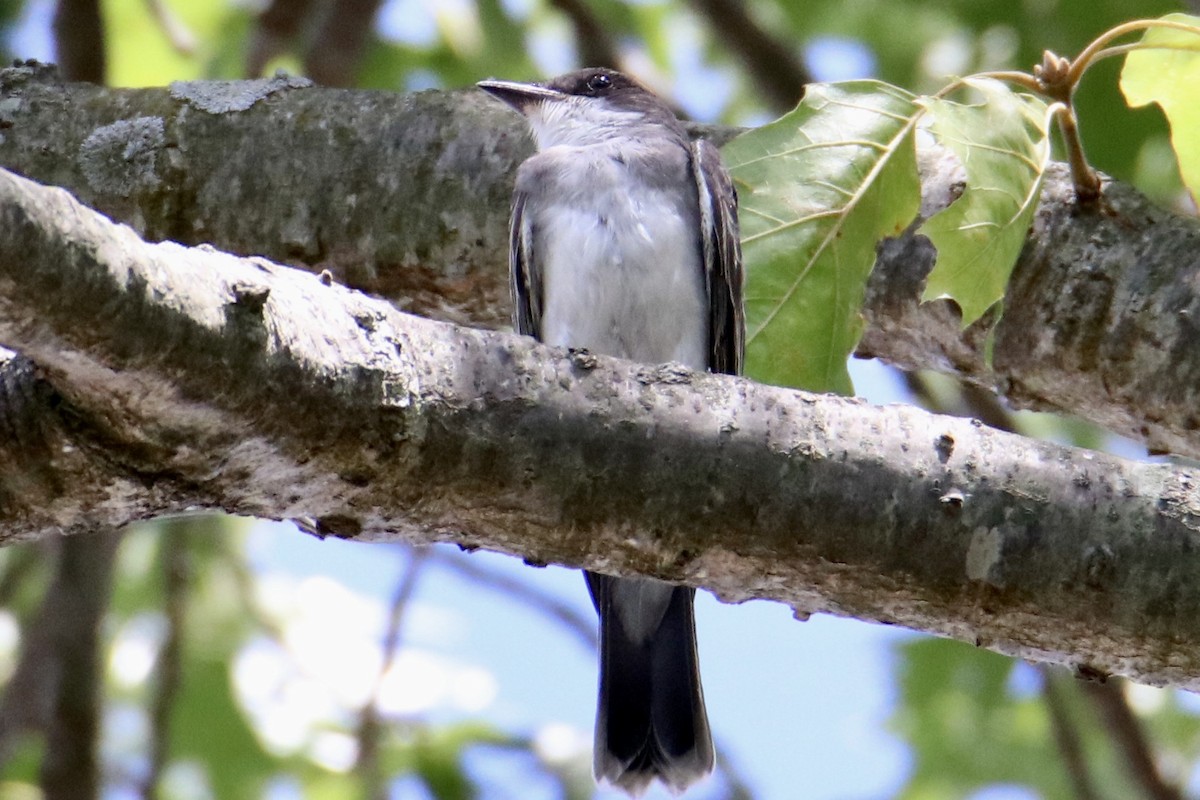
[(598, 83)]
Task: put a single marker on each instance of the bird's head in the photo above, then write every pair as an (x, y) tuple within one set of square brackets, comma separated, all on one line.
[(588, 106)]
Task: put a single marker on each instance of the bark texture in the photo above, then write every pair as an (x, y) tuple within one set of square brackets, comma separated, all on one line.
[(149, 379), (407, 196)]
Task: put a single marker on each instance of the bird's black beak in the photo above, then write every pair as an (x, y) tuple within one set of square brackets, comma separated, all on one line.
[(519, 95)]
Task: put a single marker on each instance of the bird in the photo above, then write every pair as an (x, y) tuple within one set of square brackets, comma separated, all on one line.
[(623, 241)]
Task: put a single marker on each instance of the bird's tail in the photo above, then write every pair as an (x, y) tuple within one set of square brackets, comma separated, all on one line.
[(650, 717)]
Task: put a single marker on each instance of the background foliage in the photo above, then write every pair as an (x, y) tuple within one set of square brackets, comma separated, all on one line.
[(209, 664)]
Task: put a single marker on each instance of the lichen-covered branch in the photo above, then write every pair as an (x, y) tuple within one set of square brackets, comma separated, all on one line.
[(146, 379), (407, 197)]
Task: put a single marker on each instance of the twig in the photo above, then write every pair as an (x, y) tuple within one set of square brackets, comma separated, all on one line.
[(581, 625), (178, 34), (736, 787), (176, 566), (367, 766)]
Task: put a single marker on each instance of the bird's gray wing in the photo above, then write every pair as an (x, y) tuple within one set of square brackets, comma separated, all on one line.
[(723, 274), (525, 274)]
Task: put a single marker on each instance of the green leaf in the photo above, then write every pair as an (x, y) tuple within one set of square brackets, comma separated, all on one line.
[(209, 728), (976, 719), (1165, 69), (140, 50), (819, 187), (22, 765), (967, 731), (1003, 145)]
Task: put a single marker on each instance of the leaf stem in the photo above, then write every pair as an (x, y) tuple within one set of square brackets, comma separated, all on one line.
[(1092, 52), (1056, 79), (1023, 79), (1123, 49), (1087, 183)]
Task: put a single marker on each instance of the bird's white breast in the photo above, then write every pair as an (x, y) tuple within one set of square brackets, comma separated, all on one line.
[(620, 260)]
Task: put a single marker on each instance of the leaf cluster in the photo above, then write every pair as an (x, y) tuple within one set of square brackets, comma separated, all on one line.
[(822, 185)]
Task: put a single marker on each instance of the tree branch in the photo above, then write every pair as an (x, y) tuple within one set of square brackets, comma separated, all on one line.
[(156, 378), (335, 53), (175, 562), (370, 726), (581, 626), (1130, 740), (593, 41), (1066, 734), (407, 197), (73, 610), (276, 27), (774, 67), (79, 40)]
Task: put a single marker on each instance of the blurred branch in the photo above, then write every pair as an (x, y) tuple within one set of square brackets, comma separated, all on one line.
[(369, 727), (177, 33), (79, 40), (336, 50), (1066, 735), (584, 627), (175, 563), (1109, 699), (279, 24), (973, 401), (332, 34), (592, 40), (29, 696), (772, 63), (245, 583), (736, 787), (76, 603)]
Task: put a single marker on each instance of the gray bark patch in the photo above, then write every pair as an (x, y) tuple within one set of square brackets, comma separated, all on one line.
[(220, 97), (121, 158)]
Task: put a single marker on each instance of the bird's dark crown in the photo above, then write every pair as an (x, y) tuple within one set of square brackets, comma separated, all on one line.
[(597, 82)]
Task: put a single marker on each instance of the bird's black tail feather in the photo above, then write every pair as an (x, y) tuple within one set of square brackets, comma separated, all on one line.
[(650, 718)]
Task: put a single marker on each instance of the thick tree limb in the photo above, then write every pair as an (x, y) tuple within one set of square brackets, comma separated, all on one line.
[(155, 379), (407, 197)]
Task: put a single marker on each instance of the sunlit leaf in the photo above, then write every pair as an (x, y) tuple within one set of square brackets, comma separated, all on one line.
[(1165, 69), (209, 728), (966, 728), (21, 765), (819, 187), (1002, 143), (141, 47)]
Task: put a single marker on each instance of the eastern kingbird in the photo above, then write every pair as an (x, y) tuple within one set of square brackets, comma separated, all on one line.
[(624, 241)]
